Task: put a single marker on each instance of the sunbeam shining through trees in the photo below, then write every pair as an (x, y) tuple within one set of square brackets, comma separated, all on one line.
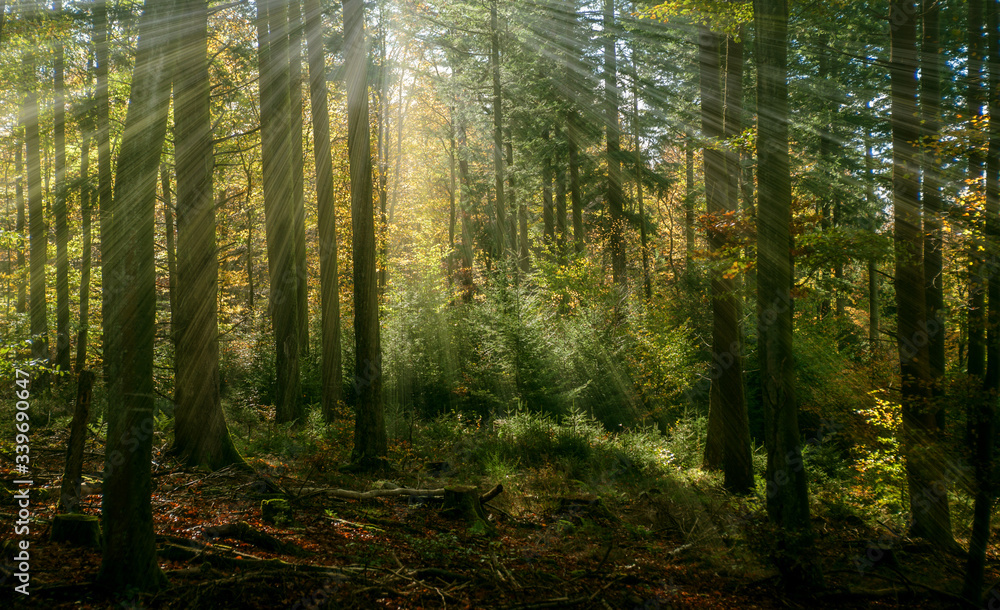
[(665, 303)]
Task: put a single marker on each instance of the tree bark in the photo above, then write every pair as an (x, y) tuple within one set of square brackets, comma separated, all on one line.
[(62, 361), (985, 415), (787, 493), (104, 192), (37, 232), (688, 202), (129, 558), (977, 283), (924, 468), (169, 228), (930, 112), (85, 259), (498, 168), (612, 128), (573, 135), (22, 289), (333, 370), (370, 442), (69, 489), (298, 181), (279, 203), (646, 283), (201, 436)]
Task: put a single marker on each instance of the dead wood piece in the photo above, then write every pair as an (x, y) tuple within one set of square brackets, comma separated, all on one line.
[(368, 495), (244, 532), (496, 491), (441, 574), (462, 502), (77, 529)]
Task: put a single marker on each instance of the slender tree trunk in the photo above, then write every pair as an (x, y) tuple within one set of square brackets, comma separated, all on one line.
[(370, 442), (105, 192), (579, 237), (279, 203), (466, 208), (298, 183), (168, 221), (129, 559), (615, 197), (22, 294), (689, 198), (924, 468), (985, 417), (977, 283), (561, 212), (333, 370), (646, 283), (548, 209), (85, 258), (787, 493), (37, 232), (201, 436), (874, 339), (62, 224), (498, 167)]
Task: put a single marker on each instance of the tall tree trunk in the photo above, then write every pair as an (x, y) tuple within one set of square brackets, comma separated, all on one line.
[(579, 238), (689, 197), (201, 436), (129, 559), (498, 168), (85, 258), (930, 111), (279, 202), (710, 80), (169, 227), (924, 469), (737, 461), (37, 233), (333, 370), (646, 283), (62, 224), (985, 417), (370, 442), (548, 210), (561, 212), (787, 493), (298, 182), (466, 208), (612, 128), (105, 192), (977, 283), (22, 294), (874, 339)]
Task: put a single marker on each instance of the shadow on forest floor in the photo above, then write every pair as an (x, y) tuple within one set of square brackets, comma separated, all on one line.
[(551, 545)]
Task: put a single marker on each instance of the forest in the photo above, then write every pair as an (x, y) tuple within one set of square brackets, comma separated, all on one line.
[(611, 304)]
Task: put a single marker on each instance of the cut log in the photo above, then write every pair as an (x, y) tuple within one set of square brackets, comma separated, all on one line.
[(77, 529), (462, 502), (69, 493)]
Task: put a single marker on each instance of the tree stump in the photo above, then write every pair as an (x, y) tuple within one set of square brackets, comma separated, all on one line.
[(69, 493), (462, 502), (77, 529)]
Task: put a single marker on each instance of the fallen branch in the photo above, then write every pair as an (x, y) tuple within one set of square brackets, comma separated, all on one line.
[(368, 495), (242, 530)]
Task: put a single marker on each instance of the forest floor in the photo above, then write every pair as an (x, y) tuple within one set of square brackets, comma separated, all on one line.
[(627, 552)]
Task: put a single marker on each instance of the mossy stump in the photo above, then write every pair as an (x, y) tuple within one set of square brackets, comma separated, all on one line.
[(77, 529), (276, 511), (462, 502)]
